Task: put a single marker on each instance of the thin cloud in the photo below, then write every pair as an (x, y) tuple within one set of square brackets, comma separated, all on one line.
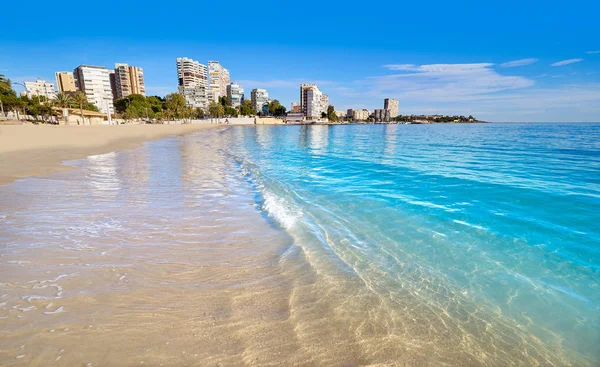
[(521, 62), (566, 62), (593, 52)]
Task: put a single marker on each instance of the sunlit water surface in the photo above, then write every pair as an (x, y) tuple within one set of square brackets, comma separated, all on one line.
[(422, 245)]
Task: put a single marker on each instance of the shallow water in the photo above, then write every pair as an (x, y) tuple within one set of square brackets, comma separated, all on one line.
[(322, 245)]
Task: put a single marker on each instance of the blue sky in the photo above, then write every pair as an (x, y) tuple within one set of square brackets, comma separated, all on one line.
[(502, 61)]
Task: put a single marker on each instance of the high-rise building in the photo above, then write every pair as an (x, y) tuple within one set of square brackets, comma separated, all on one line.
[(382, 115), (304, 89), (392, 105), (40, 88), (113, 83), (128, 80), (235, 94), (193, 82), (324, 102), (219, 80), (259, 97), (94, 81), (65, 81), (313, 103)]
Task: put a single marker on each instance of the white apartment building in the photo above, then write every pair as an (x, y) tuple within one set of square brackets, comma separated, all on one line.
[(219, 80), (313, 103), (94, 81), (360, 115), (40, 88), (235, 94), (193, 82), (259, 97), (392, 105), (324, 102), (304, 89)]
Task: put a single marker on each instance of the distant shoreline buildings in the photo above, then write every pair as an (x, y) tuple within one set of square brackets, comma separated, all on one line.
[(200, 85)]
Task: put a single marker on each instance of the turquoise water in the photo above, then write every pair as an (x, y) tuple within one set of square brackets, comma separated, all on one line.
[(487, 235)]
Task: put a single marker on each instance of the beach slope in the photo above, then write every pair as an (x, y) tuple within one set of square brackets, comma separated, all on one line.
[(29, 150)]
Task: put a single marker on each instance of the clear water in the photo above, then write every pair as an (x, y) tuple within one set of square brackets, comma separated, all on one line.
[(486, 235), (462, 245)]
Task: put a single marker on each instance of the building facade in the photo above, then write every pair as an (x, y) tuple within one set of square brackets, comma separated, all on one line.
[(392, 105), (324, 102), (304, 90), (192, 80), (128, 80), (65, 82), (259, 97), (235, 94), (94, 81), (313, 103), (360, 115), (40, 88), (219, 80), (382, 115)]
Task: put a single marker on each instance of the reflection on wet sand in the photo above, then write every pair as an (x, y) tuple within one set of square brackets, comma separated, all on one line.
[(162, 256)]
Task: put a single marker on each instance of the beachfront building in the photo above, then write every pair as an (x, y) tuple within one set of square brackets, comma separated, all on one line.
[(219, 80), (392, 105), (295, 107), (324, 102), (192, 78), (235, 94), (128, 80), (382, 115), (359, 115), (94, 82), (40, 88), (315, 105), (65, 82), (259, 97)]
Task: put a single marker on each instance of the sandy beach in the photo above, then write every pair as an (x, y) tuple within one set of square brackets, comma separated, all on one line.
[(29, 150)]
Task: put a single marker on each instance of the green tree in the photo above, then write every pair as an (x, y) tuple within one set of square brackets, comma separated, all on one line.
[(224, 101), (331, 114), (5, 85), (63, 101), (199, 113), (276, 109), (79, 99), (246, 109), (216, 110), (175, 103)]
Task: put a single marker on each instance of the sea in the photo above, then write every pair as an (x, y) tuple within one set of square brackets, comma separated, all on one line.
[(436, 245)]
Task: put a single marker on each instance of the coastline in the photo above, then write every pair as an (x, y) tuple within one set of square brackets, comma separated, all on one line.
[(29, 150)]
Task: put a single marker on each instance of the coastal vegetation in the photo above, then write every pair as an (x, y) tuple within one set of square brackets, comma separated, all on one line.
[(435, 118)]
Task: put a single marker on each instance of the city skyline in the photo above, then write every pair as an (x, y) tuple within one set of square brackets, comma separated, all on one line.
[(532, 72)]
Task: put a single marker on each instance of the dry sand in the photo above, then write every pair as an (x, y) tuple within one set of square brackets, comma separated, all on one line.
[(29, 150)]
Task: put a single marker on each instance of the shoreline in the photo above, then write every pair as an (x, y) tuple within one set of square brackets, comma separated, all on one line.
[(31, 150)]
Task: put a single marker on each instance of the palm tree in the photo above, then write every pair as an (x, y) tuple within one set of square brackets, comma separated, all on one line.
[(79, 99), (63, 101)]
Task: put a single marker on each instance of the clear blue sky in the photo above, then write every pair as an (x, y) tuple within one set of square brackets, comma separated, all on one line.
[(500, 61)]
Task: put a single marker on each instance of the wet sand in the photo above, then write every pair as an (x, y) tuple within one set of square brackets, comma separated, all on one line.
[(29, 150)]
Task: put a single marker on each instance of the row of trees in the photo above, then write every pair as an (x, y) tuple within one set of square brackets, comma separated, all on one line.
[(40, 106), (134, 106), (223, 108), (407, 118)]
